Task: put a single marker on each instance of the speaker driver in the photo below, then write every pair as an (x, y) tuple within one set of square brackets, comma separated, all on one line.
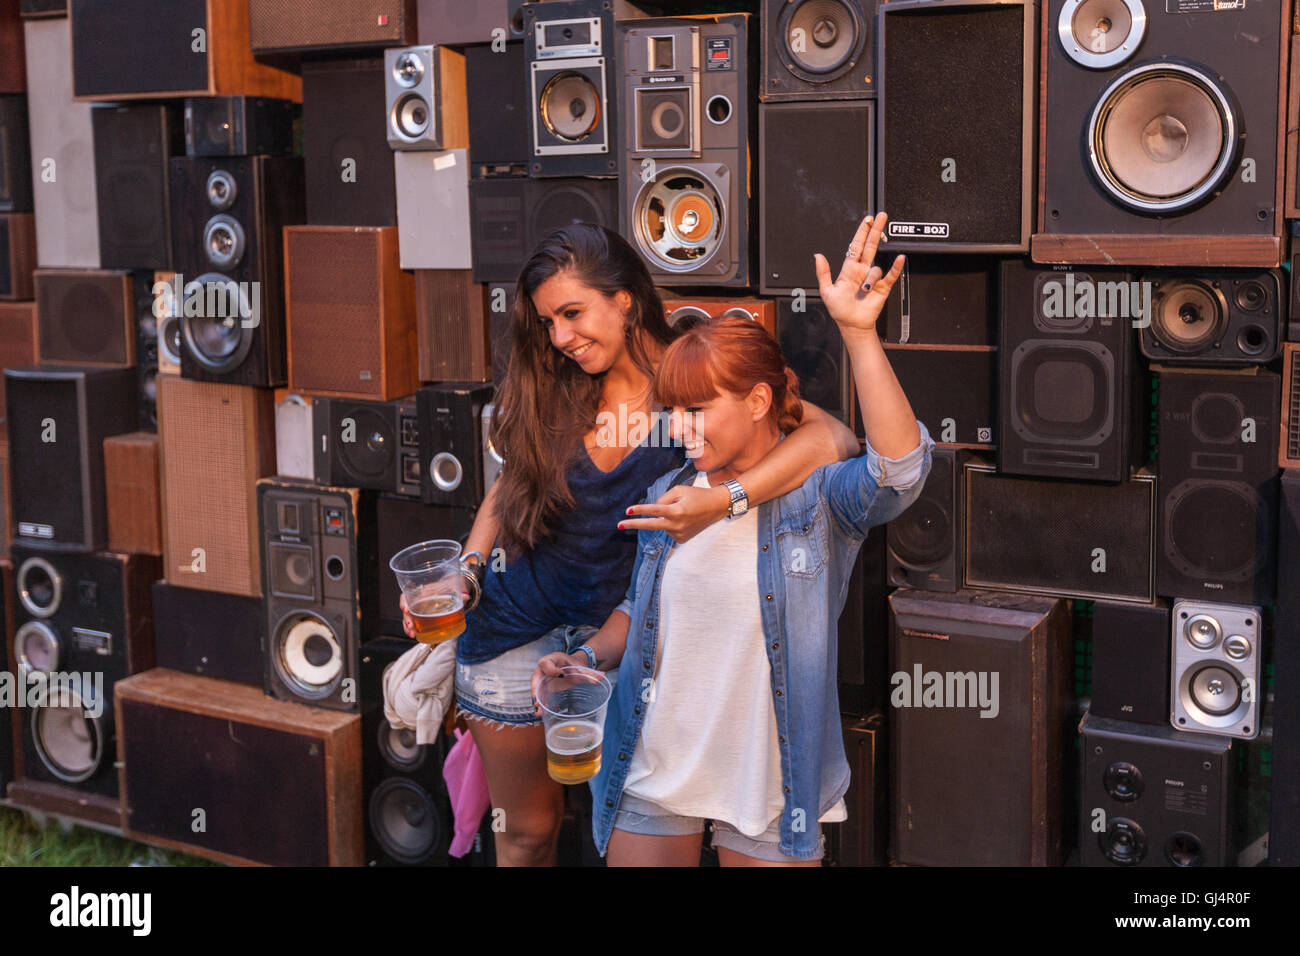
[(687, 317), (371, 455), (1162, 138), (1215, 690), (447, 471), (1203, 632), (37, 647), (222, 189), (169, 338), (1123, 781), (211, 322), (663, 119), (1206, 521), (40, 587), (1101, 33), (922, 534), (821, 38), (411, 116), (408, 69), (1217, 418), (308, 655), (69, 744), (1123, 842), (398, 747), (1184, 849), (1058, 389), (570, 106), (223, 240), (292, 570), (679, 219), (404, 819), (1189, 315)]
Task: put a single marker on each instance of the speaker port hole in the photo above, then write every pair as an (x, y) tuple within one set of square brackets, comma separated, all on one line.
[(1251, 340), (719, 110), (334, 568)]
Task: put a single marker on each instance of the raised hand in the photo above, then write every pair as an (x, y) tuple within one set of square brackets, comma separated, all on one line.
[(857, 296)]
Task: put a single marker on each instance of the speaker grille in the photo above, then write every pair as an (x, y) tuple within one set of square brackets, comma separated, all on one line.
[(131, 47), (299, 25), (453, 328), (86, 318), (17, 338), (1291, 408)]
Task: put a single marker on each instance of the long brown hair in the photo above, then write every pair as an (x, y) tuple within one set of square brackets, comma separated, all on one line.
[(547, 402)]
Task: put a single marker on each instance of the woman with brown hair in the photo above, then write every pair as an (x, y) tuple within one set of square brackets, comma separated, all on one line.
[(588, 331)]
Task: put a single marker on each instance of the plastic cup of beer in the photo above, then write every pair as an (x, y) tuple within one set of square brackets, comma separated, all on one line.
[(573, 706), (429, 574)]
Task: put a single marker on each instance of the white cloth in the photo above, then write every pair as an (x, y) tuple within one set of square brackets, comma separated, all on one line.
[(709, 746), (418, 688)]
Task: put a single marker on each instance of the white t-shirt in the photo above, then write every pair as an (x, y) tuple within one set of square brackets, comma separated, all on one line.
[(708, 745)]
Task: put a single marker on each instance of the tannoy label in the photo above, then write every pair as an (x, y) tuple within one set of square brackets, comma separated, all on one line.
[(931, 634), (919, 230), (1203, 6)]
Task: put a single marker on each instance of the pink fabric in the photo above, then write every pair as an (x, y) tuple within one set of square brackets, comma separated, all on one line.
[(467, 786)]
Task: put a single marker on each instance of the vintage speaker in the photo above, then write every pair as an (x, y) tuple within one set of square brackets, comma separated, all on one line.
[(451, 22), (88, 317), (686, 202), (407, 810), (131, 477), (452, 328), (1214, 317), (1218, 485), (1214, 680), (67, 214), (819, 50), (349, 165), (511, 216), (17, 337), (498, 131), (140, 49), (312, 557), (1288, 448), (349, 312), (861, 651), (1160, 141), (208, 633), (492, 460), (399, 523), (814, 350), (1166, 797), (367, 444), (277, 26), (943, 300), (952, 730), (1284, 796), (451, 450), (15, 161), (433, 213), (500, 300), (59, 417), (571, 66), (1130, 662), (236, 753), (228, 216), (9, 745), (682, 312), (925, 541), (146, 358), (133, 146), (6, 499), (860, 840), (1065, 374), (170, 343), (956, 158), (239, 126), (86, 621), (962, 413), (295, 436), (815, 186), (17, 255), (33, 9), (425, 90), (216, 441), (1088, 540)]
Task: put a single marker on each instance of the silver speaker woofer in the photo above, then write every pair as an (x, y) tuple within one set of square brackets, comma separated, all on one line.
[(570, 106), (398, 747), (680, 219), (169, 340), (40, 587), (411, 116), (222, 189), (1100, 34), (446, 471), (307, 654), (408, 69), (68, 743), (1203, 631), (37, 648), (1189, 315), (224, 242), (212, 323)]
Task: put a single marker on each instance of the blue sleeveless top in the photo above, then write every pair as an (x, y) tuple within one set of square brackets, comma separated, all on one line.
[(581, 574)]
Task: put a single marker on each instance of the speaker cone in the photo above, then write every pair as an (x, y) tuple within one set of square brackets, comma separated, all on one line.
[(1203, 632), (411, 116), (293, 571), (1189, 315), (69, 744), (223, 242), (212, 323), (1184, 849), (40, 587), (370, 455), (821, 39), (399, 749), (308, 655), (169, 339), (1212, 527), (1162, 138), (663, 119), (447, 471), (1215, 690), (1101, 33), (1123, 781), (1063, 391), (1123, 842), (922, 534), (37, 647), (687, 317), (405, 820), (408, 69), (679, 220), (570, 106), (222, 189)]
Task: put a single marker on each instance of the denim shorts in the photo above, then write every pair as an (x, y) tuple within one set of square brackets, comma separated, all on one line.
[(635, 815), (500, 690)]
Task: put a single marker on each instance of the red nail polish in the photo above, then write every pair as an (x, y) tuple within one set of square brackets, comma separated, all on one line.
[(620, 527), (629, 511)]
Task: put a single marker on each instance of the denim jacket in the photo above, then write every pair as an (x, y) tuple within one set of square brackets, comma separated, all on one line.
[(808, 541)]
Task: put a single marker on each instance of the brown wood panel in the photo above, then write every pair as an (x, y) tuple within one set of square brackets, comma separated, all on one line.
[(452, 93), (231, 64), (22, 254), (13, 64), (132, 480), (66, 801), (1263, 252)]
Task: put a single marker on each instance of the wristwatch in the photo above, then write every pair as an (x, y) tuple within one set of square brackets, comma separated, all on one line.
[(739, 500)]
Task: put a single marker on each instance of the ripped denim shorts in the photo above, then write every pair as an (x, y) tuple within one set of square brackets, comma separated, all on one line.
[(500, 690)]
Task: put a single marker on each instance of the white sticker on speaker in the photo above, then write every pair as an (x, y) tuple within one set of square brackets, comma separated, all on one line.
[(445, 161), (918, 230), (28, 530), (1203, 6)]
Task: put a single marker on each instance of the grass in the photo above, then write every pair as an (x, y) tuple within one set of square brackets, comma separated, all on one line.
[(23, 843)]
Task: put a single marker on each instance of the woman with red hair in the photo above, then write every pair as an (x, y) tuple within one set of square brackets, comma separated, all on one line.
[(726, 704)]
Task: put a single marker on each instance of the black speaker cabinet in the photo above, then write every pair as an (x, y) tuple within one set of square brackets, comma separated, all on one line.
[(15, 155), (8, 766), (816, 182), (1130, 662), (981, 707), (315, 543), (349, 165), (1288, 446), (963, 412), (1160, 141), (59, 417), (1218, 485), (209, 633), (1066, 369), (818, 49), (1284, 801), (407, 809), (239, 126), (862, 662), (1214, 317), (814, 350), (1081, 540), (860, 840), (942, 300), (1153, 796), (454, 23), (86, 622), (956, 163), (35, 9), (367, 444), (399, 523), (511, 216), (686, 146), (133, 146), (925, 541), (451, 442), (228, 216), (498, 130)]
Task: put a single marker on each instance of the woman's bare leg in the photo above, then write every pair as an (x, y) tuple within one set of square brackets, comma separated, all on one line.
[(642, 849), (514, 759)]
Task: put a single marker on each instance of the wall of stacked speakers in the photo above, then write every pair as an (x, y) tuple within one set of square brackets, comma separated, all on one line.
[(255, 269)]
